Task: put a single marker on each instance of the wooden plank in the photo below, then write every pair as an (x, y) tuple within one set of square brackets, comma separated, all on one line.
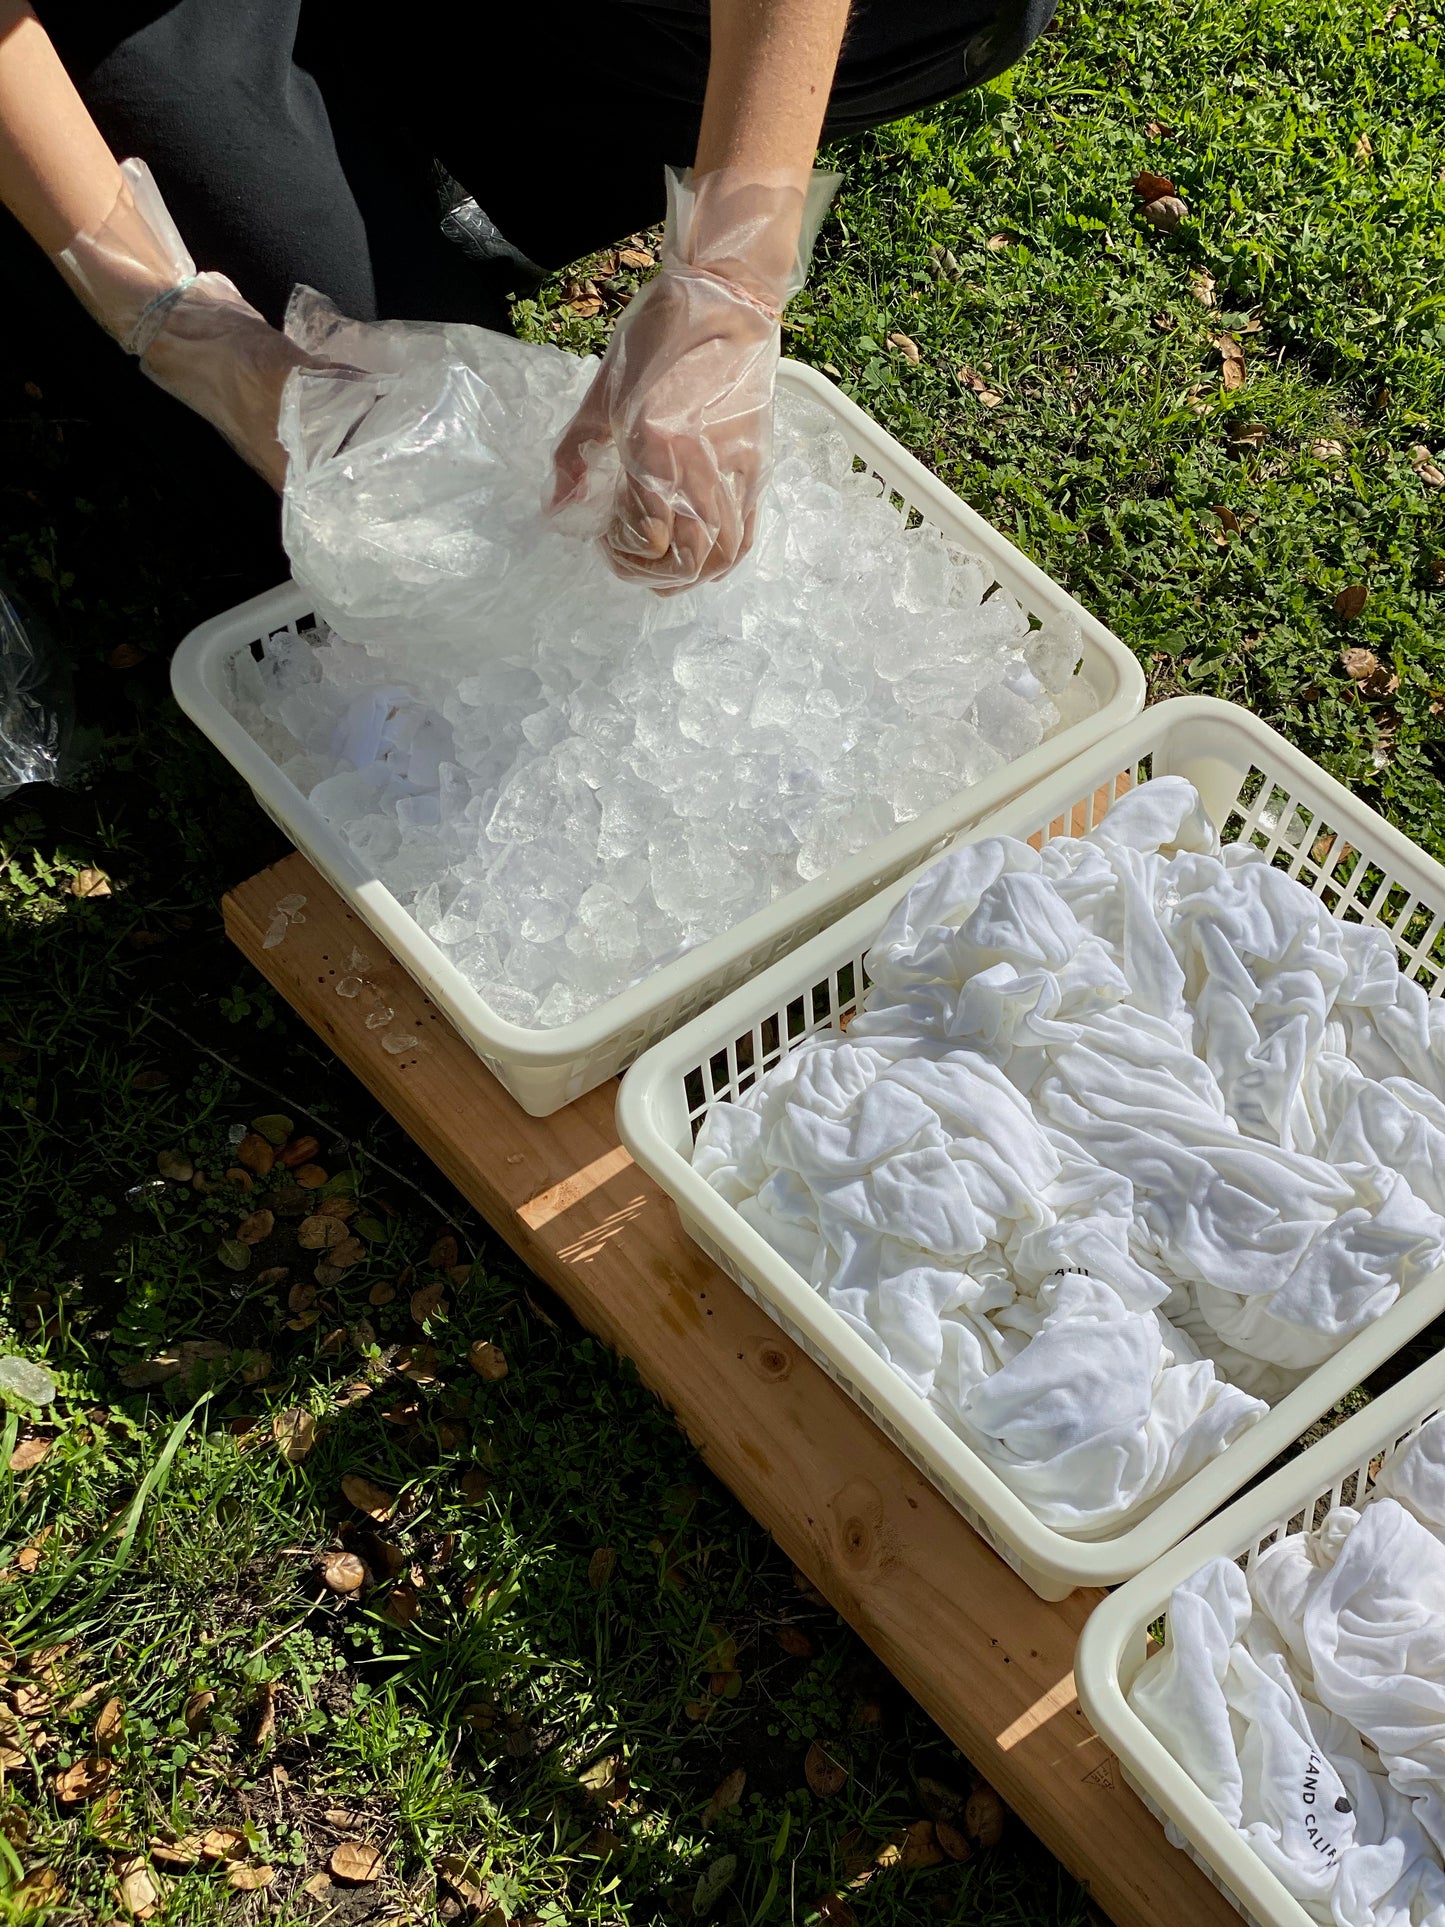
[(989, 1660)]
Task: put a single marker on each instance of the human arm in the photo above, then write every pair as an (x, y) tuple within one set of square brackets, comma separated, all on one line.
[(672, 445), (108, 232)]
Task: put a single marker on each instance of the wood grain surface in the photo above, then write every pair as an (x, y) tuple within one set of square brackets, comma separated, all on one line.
[(989, 1660)]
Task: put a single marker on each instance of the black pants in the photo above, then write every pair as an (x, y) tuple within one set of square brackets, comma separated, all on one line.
[(293, 143)]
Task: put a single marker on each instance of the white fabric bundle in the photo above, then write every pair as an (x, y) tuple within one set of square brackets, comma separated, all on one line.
[(1094, 1170), (1308, 1701)]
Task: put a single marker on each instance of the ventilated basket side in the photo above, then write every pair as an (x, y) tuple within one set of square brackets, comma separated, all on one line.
[(1338, 1470), (547, 1069), (1257, 789)]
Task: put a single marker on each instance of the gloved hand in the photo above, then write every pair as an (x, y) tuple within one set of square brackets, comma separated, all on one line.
[(668, 455), (194, 333)]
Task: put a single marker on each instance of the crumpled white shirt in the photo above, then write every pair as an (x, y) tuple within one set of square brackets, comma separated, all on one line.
[(1335, 1770), (1227, 1697), (1123, 1143)]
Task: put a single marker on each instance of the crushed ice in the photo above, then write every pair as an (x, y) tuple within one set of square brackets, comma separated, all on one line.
[(611, 778)]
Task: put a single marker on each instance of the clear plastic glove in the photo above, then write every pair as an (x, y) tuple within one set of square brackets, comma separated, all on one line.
[(194, 333), (668, 456)]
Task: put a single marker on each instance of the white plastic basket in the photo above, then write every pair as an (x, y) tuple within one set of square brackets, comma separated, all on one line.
[(1256, 788), (1339, 1470), (545, 1069)]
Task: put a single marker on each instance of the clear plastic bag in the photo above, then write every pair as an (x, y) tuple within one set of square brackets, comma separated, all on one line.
[(37, 703)]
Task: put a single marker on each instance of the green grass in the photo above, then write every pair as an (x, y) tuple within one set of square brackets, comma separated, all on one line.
[(560, 1738)]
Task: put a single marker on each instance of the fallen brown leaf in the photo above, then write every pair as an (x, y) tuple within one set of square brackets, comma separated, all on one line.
[(906, 347), (348, 1253), (954, 1841), (1201, 287), (1150, 186), (1350, 602), (635, 258), (109, 1726), (184, 1852), (311, 1177), (427, 1301), (140, 1890), (1166, 213), (725, 1794), (300, 1150), (255, 1154), (984, 1816), (197, 1706), (1426, 467), (444, 1252), (487, 1360), (402, 1605), (1231, 354), (320, 1232), (475, 1485), (84, 1780), (1227, 517), (976, 385), (28, 1454), (242, 1180), (90, 882), (600, 1567), (249, 1879), (1328, 451), (294, 1431), (356, 1862), (343, 1208), (343, 1572), (223, 1844), (825, 1775), (381, 1293), (1362, 666), (795, 1642), (175, 1166), (373, 1500), (265, 1727), (256, 1226), (920, 1846), (419, 1363), (318, 1885)]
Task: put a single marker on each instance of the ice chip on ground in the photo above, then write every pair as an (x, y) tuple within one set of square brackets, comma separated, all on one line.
[(349, 986), (564, 779), (395, 1042), (31, 1382), (379, 1018), (276, 931)]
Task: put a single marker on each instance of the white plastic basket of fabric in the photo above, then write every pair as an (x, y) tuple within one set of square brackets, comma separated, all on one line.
[(1338, 1470), (545, 1069), (1256, 788)]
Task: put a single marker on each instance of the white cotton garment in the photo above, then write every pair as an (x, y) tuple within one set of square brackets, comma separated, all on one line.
[(1094, 1169), (1225, 1699), (1369, 1622), (1413, 1475)]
